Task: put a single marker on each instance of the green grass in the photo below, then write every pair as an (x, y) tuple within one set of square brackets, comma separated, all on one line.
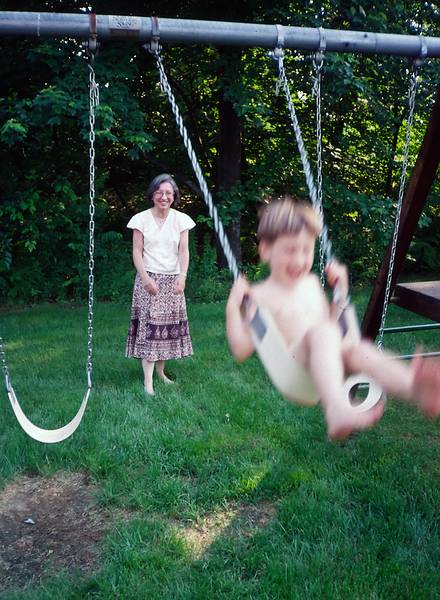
[(357, 519)]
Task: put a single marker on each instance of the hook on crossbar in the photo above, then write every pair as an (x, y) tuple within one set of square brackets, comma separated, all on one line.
[(419, 60), (319, 54), (278, 51), (92, 43), (154, 45), (279, 48)]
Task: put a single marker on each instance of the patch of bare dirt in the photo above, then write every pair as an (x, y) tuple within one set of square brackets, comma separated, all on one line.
[(53, 524), (47, 525), (236, 520)]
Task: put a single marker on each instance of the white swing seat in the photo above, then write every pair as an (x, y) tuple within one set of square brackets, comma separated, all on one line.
[(47, 436), (291, 379)]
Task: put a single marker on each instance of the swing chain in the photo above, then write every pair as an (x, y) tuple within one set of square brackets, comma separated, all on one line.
[(318, 63), (314, 196), (93, 103), (411, 106), (212, 209), (4, 367)]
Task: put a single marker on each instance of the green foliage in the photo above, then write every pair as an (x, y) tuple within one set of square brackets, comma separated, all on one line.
[(114, 268), (12, 132), (360, 227), (206, 283), (44, 135)]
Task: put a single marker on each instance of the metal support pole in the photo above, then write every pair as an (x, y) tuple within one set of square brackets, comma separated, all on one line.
[(423, 355), (407, 328), (185, 31)]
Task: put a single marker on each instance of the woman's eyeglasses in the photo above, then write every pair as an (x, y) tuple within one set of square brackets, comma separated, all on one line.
[(159, 194)]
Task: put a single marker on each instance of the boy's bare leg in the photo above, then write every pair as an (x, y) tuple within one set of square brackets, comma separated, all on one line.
[(394, 376), (327, 369), (418, 382), (160, 366), (427, 385), (148, 368)]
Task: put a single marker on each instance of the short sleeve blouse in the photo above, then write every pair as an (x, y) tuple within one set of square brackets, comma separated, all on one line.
[(161, 244)]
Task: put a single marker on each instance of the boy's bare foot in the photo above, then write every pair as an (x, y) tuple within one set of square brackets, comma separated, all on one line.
[(340, 424), (427, 385)]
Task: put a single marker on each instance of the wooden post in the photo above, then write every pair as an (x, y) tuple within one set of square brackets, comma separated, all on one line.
[(414, 200)]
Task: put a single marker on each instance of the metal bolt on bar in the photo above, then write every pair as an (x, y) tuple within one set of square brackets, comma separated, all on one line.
[(186, 31)]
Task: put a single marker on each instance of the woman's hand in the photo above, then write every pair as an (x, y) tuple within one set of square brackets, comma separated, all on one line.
[(179, 286), (337, 277), (151, 286)]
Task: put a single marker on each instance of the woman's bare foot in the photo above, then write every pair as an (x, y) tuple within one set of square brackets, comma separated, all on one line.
[(160, 371), (341, 423), (427, 385), (148, 387), (164, 378)]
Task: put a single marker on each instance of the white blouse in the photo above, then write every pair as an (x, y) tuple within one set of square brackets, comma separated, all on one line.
[(161, 244)]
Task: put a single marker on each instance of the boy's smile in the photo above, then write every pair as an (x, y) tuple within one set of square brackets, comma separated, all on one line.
[(290, 256)]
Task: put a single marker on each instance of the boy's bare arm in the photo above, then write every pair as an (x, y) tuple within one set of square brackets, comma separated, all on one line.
[(337, 277), (237, 330)]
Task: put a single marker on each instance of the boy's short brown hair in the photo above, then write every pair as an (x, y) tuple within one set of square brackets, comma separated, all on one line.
[(287, 214)]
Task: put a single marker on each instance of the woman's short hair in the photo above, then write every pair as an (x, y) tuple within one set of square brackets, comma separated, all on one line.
[(157, 181), (286, 215)]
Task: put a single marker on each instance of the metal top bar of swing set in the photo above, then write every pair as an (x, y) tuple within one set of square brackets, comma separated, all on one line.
[(184, 31)]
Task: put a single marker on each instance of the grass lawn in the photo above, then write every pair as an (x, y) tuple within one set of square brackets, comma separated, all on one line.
[(216, 487)]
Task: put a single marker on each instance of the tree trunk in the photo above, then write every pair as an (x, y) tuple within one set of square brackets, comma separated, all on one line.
[(229, 156)]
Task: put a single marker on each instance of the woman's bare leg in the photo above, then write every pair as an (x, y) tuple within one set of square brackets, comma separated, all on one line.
[(160, 370), (148, 368)]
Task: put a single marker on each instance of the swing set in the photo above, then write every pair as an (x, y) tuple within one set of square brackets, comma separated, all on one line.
[(287, 375)]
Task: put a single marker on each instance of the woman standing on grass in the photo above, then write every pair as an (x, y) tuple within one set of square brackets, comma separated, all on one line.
[(159, 324)]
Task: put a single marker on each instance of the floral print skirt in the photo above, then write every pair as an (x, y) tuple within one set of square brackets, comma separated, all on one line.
[(159, 324)]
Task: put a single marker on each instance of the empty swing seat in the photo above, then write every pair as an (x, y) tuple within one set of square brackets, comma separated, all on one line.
[(422, 297)]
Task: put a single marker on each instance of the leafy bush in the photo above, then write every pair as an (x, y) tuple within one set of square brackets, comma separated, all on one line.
[(206, 282), (360, 227), (114, 268)]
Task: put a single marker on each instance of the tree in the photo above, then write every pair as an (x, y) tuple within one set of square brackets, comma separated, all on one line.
[(239, 128)]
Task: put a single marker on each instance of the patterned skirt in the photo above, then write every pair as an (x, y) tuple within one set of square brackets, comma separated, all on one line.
[(159, 324)]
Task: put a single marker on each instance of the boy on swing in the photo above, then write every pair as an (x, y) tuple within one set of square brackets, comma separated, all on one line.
[(293, 295)]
